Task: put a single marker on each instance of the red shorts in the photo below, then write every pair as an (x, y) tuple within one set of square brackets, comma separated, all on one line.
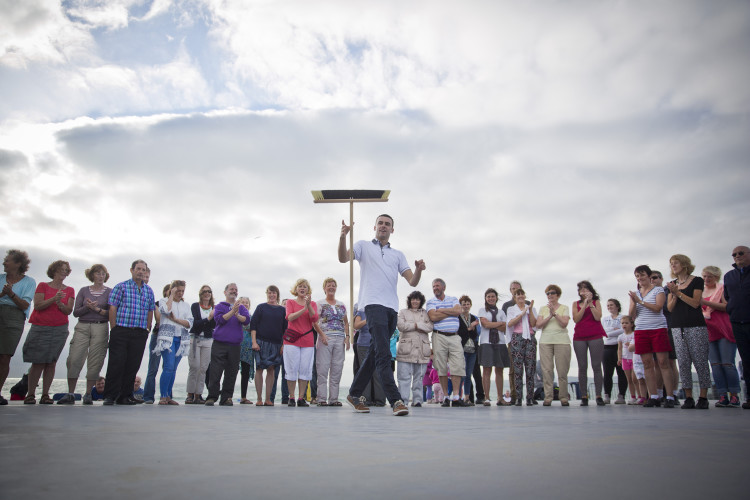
[(647, 341)]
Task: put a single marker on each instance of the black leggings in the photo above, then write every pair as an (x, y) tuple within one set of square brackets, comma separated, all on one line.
[(609, 363), (244, 377)]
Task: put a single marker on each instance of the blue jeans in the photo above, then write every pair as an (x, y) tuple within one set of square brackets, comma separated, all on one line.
[(284, 387), (742, 337), (149, 388), (471, 359), (168, 369), (721, 354), (381, 322)]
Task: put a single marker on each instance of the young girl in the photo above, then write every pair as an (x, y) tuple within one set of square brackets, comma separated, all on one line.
[(625, 356), (639, 373)]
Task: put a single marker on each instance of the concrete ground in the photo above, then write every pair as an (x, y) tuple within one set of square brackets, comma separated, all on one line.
[(160, 452)]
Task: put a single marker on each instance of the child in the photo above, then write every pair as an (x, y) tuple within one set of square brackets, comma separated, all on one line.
[(639, 373), (625, 357)]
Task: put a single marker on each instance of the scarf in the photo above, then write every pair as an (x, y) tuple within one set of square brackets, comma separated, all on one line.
[(715, 297), (167, 331), (494, 332)]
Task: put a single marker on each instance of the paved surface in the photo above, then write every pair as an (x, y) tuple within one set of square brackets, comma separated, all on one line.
[(247, 452)]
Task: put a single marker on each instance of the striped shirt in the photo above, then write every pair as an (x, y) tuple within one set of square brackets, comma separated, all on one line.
[(647, 319), (133, 304), (447, 325)]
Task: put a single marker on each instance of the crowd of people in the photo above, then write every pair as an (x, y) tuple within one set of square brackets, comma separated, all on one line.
[(435, 346)]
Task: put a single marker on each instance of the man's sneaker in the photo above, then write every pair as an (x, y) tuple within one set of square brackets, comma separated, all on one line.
[(210, 402), (620, 400), (446, 403), (652, 402), (400, 409), (67, 399), (359, 404), (723, 402), (702, 404), (107, 402), (734, 402), (689, 404), (227, 402), (87, 400)]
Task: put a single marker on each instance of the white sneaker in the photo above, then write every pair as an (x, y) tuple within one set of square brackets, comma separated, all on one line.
[(606, 399), (620, 400)]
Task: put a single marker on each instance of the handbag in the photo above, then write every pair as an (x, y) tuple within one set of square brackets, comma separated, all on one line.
[(293, 336)]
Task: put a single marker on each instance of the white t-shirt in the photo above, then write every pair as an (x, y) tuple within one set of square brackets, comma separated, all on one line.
[(379, 269), (626, 338), (484, 335)]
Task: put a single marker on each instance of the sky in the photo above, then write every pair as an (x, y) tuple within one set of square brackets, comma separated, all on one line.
[(548, 142)]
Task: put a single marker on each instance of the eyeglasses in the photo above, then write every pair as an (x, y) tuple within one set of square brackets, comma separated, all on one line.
[(738, 254), (655, 277)]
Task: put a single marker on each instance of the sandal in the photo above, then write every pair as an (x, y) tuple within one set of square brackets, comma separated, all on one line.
[(162, 402), (335, 403), (172, 402), (268, 403), (259, 403), (29, 400), (246, 402), (322, 403), (46, 400)]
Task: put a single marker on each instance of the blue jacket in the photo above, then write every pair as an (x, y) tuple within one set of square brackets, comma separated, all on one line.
[(737, 293)]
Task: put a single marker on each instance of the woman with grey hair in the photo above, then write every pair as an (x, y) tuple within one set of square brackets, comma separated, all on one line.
[(722, 346), (16, 294), (333, 339), (53, 303), (413, 351)]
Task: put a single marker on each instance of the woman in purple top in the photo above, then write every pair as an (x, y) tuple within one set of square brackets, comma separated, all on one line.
[(90, 335), (588, 336)]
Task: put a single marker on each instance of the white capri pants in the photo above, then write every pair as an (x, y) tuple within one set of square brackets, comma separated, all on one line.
[(298, 362)]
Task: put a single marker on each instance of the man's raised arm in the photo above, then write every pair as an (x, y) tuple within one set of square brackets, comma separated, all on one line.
[(344, 254)]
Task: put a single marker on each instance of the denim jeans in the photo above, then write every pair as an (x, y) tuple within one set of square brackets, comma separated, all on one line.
[(169, 369), (381, 321), (721, 354), (470, 359), (149, 388), (284, 387)]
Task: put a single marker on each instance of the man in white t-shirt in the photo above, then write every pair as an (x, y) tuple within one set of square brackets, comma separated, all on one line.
[(379, 265)]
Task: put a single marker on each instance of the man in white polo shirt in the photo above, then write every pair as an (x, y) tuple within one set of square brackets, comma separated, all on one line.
[(379, 265), (447, 350)]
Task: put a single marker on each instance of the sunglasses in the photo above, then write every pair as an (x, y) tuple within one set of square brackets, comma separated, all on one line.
[(738, 254), (206, 291), (551, 293), (655, 277)]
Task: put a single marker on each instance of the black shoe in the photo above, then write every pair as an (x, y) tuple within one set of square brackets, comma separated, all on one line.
[(285, 401), (702, 404), (652, 403), (67, 399), (533, 400), (210, 402), (519, 402), (417, 405), (301, 402), (126, 402), (480, 401), (292, 403), (669, 403), (599, 402), (458, 403), (446, 403), (676, 401), (3, 401), (378, 404), (584, 401), (689, 404), (746, 405), (108, 402), (227, 402), (529, 401), (511, 402)]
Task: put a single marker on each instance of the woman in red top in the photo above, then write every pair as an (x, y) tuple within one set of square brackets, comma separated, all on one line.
[(588, 337), (302, 314), (53, 303)]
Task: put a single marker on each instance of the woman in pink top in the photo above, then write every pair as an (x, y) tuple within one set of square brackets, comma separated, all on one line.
[(588, 336), (53, 303), (302, 314), (721, 344)]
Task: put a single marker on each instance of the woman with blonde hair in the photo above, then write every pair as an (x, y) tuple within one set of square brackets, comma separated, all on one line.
[(298, 348), (722, 347), (201, 339), (554, 345), (174, 338), (91, 334), (333, 336), (53, 303), (689, 329)]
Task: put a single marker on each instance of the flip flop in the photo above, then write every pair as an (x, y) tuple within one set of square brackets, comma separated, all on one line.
[(268, 403), (246, 402), (259, 403)]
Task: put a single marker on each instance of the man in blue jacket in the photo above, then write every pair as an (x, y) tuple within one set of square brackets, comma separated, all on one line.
[(737, 293)]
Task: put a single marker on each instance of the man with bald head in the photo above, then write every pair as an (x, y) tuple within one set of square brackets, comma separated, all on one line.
[(737, 293)]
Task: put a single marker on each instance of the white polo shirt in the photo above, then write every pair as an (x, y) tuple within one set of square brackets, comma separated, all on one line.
[(379, 269)]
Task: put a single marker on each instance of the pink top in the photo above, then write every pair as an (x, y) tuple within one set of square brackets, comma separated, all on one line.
[(51, 315), (719, 326), (588, 328), (302, 324)]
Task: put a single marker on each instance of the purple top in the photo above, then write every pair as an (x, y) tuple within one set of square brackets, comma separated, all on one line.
[(229, 331), (83, 313)]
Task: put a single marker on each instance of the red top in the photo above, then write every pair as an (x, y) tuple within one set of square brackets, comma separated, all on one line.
[(302, 324), (588, 328), (51, 315)]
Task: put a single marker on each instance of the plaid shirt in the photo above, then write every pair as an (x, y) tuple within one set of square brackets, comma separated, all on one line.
[(133, 304)]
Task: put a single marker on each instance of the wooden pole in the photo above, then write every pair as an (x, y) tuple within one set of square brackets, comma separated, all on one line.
[(351, 270)]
